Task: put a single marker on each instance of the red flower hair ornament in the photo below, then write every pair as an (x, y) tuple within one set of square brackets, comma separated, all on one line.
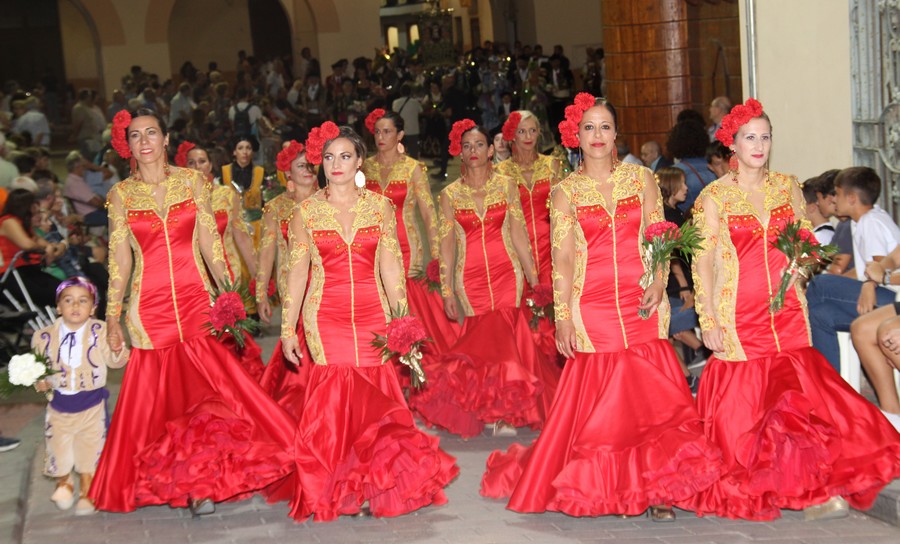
[(511, 125), (459, 128), (315, 143), (568, 127), (183, 149), (287, 155), (373, 118), (119, 136), (739, 116)]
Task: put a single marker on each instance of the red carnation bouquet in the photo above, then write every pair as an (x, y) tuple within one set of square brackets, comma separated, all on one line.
[(228, 315), (541, 304), (660, 241), (431, 276), (804, 254), (404, 338)]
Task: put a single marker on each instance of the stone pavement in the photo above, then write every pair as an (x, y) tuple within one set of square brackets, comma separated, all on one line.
[(28, 516)]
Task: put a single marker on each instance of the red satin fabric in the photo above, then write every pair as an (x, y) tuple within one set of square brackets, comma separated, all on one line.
[(494, 372), (793, 434), (286, 382), (190, 422), (753, 323), (535, 204), (249, 357), (611, 278), (356, 438), (622, 435), (488, 274), (397, 191)]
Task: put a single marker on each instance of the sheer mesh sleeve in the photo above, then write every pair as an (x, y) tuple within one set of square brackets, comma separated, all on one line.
[(798, 204), (209, 239), (390, 264), (266, 258), (120, 253), (706, 218), (298, 271), (562, 236), (426, 207), (653, 211), (447, 238)]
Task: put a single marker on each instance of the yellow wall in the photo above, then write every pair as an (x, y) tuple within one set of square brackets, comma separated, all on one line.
[(208, 30), (574, 24), (803, 82), (79, 52), (358, 34)]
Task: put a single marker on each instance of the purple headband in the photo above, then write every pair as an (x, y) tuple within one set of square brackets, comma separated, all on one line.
[(78, 281)]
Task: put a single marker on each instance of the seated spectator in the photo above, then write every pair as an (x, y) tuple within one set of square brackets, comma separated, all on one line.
[(652, 157), (687, 142), (835, 301), (102, 178), (29, 119), (625, 155), (680, 290), (76, 188), (818, 216), (876, 337), (717, 158), (8, 170), (16, 235)]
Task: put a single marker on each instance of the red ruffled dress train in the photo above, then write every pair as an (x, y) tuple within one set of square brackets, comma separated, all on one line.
[(286, 382), (190, 422)]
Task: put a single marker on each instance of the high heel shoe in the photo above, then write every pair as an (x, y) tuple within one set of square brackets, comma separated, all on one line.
[(201, 507), (662, 514)]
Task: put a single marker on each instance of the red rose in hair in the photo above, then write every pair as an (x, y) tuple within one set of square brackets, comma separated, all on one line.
[(403, 332), (373, 118), (433, 271), (287, 155), (568, 128), (183, 149), (459, 128), (119, 138), (510, 126), (315, 143), (666, 229), (739, 116)]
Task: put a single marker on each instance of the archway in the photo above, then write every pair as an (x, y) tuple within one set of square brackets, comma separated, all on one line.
[(81, 46)]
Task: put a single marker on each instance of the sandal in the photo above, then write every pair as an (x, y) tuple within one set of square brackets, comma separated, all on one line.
[(662, 514), (201, 507)]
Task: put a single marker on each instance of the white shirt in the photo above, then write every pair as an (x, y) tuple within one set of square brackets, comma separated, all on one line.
[(874, 235), (824, 233), (254, 112), (180, 107), (70, 348), (35, 123), (410, 114)]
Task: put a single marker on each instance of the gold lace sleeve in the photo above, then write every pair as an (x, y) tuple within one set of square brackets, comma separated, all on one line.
[(426, 207), (519, 232), (240, 231), (447, 245), (120, 255), (706, 219), (555, 171), (653, 210), (209, 239), (266, 255), (298, 271), (393, 279), (798, 204), (562, 222)]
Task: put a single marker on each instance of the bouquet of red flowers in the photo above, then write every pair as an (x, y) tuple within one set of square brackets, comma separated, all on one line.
[(804, 254), (404, 337), (541, 304), (660, 241), (228, 314), (431, 276)]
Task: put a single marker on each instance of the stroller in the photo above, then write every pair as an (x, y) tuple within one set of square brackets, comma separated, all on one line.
[(42, 317)]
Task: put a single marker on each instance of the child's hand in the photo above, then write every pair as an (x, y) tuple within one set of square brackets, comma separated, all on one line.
[(42, 386)]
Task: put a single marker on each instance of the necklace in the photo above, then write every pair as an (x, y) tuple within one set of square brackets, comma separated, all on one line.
[(760, 187)]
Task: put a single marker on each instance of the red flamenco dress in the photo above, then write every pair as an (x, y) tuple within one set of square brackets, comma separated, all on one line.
[(282, 380), (190, 422), (226, 209), (623, 433), (793, 434), (494, 372), (406, 185), (356, 440), (535, 196)]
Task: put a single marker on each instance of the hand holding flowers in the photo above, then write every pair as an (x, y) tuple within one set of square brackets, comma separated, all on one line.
[(404, 337), (228, 315), (804, 254), (661, 240)]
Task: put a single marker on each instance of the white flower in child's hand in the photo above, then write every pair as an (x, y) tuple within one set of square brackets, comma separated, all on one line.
[(25, 370)]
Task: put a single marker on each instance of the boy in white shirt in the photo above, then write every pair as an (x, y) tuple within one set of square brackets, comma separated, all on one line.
[(76, 421)]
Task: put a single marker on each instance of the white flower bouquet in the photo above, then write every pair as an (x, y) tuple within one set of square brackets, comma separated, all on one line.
[(23, 372)]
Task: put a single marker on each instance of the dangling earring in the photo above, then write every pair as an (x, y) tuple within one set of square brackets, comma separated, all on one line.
[(359, 179), (733, 163), (166, 159), (327, 192), (615, 157), (401, 148)]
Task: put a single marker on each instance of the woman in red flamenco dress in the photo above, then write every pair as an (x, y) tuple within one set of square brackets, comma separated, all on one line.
[(283, 380), (623, 434), (535, 175), (793, 434), (404, 180), (191, 426), (357, 445), (495, 373), (236, 241)]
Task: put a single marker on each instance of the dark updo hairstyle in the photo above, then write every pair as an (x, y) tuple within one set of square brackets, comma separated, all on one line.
[(688, 139), (358, 145), (144, 112), (18, 204), (396, 118), (482, 130), (238, 138)]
